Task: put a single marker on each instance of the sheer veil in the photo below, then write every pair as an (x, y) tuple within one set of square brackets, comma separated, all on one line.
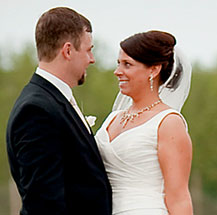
[(174, 96)]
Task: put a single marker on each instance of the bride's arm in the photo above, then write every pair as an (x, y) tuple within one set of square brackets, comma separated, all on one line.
[(175, 155)]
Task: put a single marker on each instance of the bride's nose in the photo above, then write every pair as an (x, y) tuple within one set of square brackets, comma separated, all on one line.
[(118, 71)]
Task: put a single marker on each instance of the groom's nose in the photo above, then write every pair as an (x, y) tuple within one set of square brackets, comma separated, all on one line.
[(92, 59)]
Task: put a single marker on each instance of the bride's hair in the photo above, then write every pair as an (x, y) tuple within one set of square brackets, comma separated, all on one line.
[(154, 48)]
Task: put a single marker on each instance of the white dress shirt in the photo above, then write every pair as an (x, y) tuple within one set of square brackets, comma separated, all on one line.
[(64, 89)]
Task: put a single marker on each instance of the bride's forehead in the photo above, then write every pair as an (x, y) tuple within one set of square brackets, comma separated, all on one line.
[(124, 56)]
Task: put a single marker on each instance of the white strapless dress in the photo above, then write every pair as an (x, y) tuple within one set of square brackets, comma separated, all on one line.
[(133, 168)]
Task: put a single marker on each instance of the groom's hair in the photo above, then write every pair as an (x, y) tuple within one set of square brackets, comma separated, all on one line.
[(57, 26)]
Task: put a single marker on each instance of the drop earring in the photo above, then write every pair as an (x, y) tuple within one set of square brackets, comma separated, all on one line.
[(151, 82)]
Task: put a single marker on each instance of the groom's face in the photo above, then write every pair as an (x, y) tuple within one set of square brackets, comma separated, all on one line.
[(83, 57)]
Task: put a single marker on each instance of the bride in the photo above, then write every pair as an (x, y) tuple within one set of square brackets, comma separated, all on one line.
[(144, 142)]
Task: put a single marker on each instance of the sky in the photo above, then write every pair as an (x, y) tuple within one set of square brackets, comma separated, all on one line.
[(192, 22)]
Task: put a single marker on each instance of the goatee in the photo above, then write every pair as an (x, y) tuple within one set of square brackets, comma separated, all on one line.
[(81, 80)]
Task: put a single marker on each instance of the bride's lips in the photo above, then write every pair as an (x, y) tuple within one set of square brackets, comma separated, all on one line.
[(122, 82)]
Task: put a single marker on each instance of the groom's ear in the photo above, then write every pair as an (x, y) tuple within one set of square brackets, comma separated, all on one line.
[(67, 50)]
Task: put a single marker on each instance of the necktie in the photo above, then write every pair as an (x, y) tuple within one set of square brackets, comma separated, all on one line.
[(77, 109)]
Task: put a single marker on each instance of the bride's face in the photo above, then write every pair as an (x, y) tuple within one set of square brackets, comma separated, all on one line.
[(132, 75)]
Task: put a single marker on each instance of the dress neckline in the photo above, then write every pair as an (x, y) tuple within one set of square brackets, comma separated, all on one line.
[(130, 129)]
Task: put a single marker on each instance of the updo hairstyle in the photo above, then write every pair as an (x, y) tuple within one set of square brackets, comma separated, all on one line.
[(154, 48)]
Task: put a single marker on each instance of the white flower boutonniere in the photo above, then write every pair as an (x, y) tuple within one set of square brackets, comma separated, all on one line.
[(91, 120)]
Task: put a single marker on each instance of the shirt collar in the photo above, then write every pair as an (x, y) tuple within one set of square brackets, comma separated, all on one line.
[(59, 84)]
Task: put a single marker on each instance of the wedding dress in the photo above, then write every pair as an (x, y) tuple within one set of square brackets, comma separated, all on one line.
[(133, 168)]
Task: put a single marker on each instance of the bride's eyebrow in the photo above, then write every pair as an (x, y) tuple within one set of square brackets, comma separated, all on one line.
[(122, 60), (127, 61)]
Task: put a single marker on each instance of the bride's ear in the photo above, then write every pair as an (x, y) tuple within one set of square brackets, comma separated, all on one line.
[(155, 70)]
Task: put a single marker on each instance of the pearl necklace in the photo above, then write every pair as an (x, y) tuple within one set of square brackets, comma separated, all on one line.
[(130, 116)]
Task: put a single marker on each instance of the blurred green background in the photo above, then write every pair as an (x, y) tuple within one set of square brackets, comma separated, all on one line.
[(96, 97)]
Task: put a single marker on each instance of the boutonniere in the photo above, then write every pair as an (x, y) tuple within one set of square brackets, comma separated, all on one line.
[(91, 120)]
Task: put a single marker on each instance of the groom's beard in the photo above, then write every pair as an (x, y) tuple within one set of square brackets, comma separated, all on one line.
[(81, 80)]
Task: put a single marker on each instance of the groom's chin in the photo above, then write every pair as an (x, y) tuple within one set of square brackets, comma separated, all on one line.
[(81, 80)]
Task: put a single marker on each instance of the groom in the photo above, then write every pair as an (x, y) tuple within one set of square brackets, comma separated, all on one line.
[(52, 153)]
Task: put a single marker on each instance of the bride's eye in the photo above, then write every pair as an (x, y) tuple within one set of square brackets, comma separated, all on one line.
[(127, 64), (118, 63)]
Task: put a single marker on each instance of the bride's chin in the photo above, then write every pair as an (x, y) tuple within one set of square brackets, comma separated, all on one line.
[(124, 92)]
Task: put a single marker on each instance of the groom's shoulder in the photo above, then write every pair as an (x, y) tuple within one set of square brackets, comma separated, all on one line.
[(33, 96)]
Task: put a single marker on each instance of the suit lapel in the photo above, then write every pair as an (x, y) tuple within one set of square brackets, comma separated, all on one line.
[(46, 85)]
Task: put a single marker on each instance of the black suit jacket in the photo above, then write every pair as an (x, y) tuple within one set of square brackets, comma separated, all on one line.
[(53, 158)]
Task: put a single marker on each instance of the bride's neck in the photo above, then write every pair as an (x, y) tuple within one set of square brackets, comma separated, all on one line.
[(145, 100)]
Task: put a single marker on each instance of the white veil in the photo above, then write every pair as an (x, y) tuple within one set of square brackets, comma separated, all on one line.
[(173, 97)]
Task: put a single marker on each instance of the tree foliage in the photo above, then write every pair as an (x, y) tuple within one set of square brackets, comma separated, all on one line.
[(12, 81), (200, 111)]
